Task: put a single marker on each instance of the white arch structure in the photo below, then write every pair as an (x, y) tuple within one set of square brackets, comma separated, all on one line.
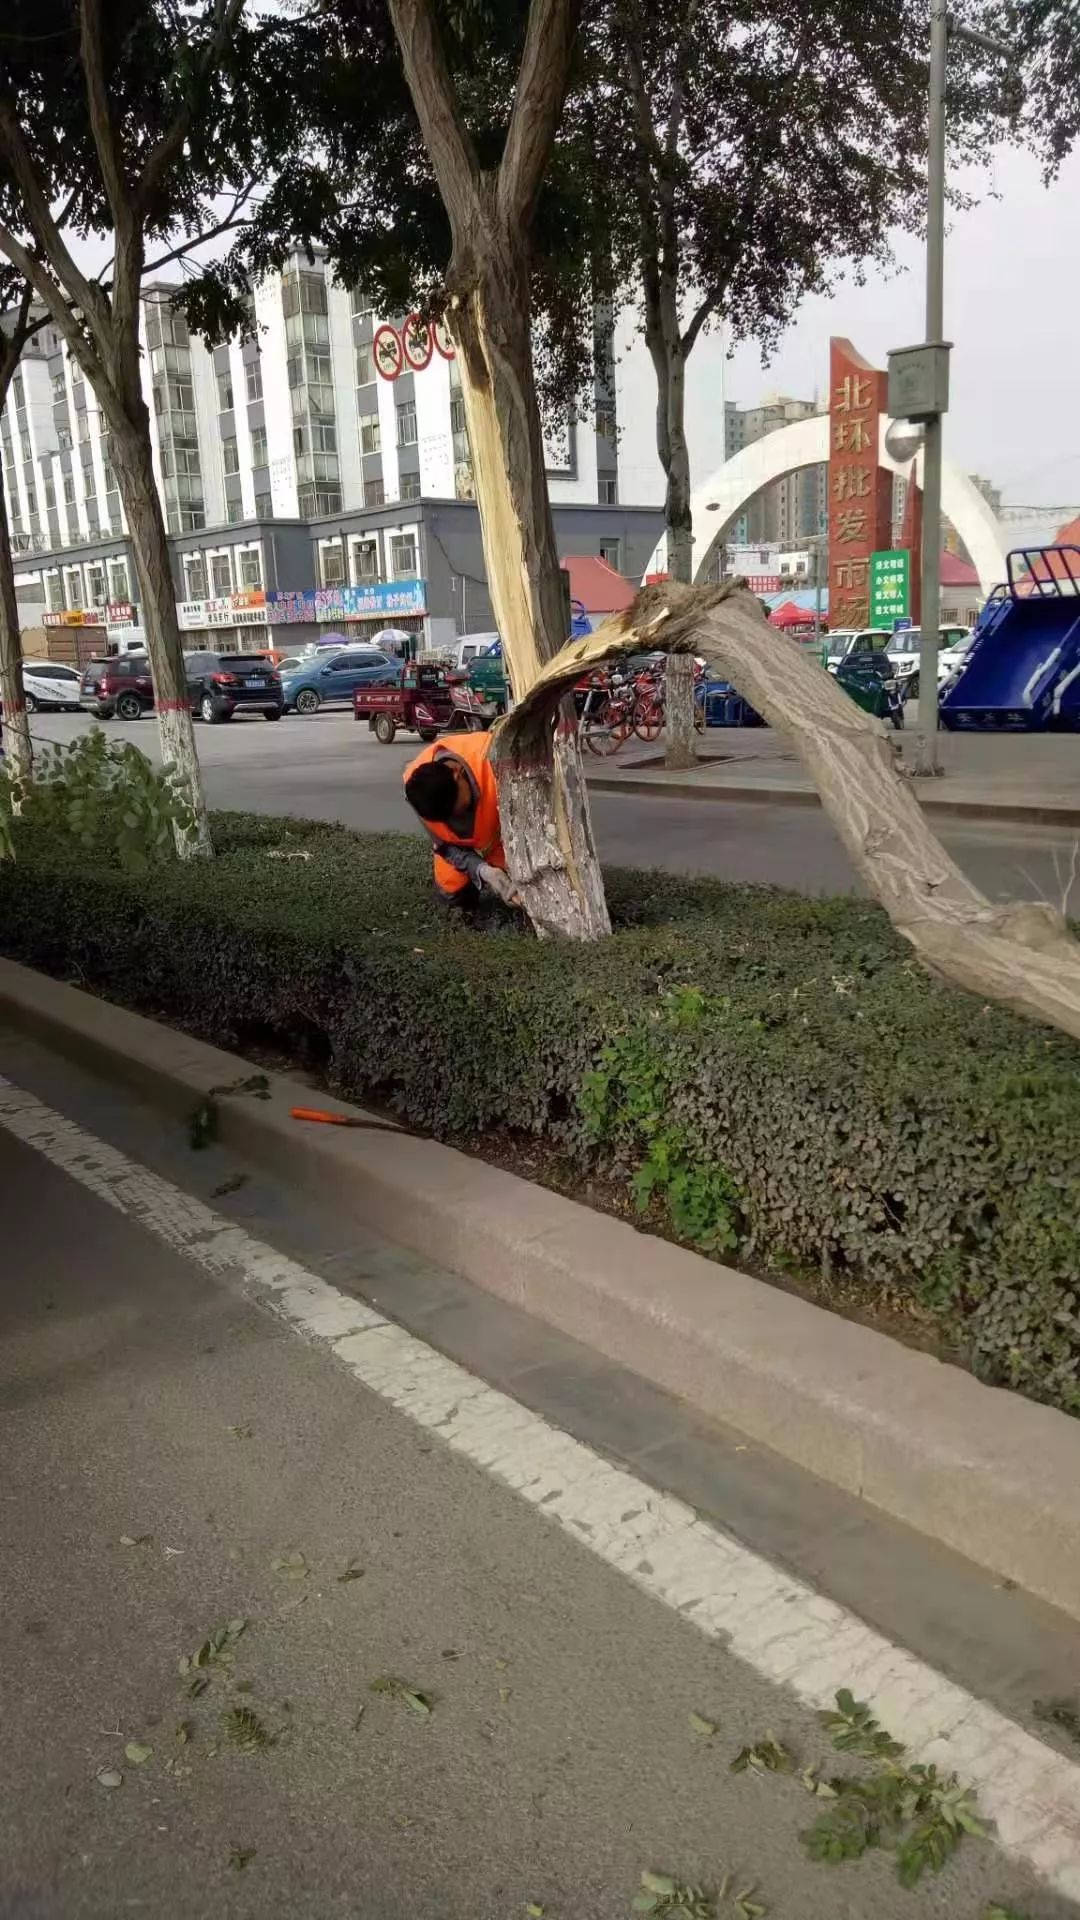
[(805, 443)]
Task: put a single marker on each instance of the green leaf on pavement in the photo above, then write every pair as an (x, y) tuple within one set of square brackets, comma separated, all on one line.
[(204, 1124), (109, 1777), (136, 1539), (418, 1702), (352, 1572), (246, 1730), (765, 1756), (291, 1566), (702, 1727), (535, 1911), (232, 1185), (1004, 1913), (184, 1731), (137, 1753), (243, 1432), (240, 1856)]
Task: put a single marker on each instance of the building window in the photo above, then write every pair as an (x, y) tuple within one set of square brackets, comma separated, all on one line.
[(332, 563), (324, 436), (69, 489), (254, 380), (403, 556), (192, 519), (63, 439), (369, 434), (365, 364), (119, 585), (230, 456), (17, 392), (303, 293), (360, 302), (221, 580), (250, 563), (59, 390), (457, 413), (95, 584), (611, 551), (54, 593), (234, 512), (374, 496), (406, 424), (73, 587), (264, 506), (224, 391), (316, 501), (609, 493), (410, 486), (605, 420), (194, 576), (259, 454), (365, 561)]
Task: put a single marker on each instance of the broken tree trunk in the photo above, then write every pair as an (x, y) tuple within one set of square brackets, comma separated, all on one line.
[(1021, 956)]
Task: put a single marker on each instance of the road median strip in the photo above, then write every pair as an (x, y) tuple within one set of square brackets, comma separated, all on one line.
[(981, 1469)]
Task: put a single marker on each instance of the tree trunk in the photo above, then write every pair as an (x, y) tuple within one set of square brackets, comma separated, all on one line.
[(17, 744), (543, 802), (1020, 955), (131, 457)]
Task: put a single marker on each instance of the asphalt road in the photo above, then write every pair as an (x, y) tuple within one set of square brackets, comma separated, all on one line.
[(329, 768), (165, 1442)]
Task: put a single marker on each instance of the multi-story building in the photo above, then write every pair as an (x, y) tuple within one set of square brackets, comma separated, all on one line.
[(792, 509), (326, 453)]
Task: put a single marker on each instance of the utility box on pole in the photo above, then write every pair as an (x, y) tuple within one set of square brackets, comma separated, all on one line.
[(919, 381)]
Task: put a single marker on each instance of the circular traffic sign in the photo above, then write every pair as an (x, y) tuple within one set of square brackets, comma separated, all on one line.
[(416, 342), (387, 352), (441, 335)]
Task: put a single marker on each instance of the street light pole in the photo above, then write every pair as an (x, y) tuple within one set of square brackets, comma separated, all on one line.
[(926, 751)]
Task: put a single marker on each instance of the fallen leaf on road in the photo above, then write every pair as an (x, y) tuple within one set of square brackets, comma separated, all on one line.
[(246, 1730), (352, 1572), (136, 1539), (533, 1910), (417, 1702), (240, 1856), (702, 1727), (504, 1694), (501, 1666), (241, 1433), (232, 1185), (137, 1754), (184, 1731), (291, 1566), (110, 1777), (359, 1716)]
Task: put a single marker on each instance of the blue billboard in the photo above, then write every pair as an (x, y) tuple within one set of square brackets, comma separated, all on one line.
[(378, 600)]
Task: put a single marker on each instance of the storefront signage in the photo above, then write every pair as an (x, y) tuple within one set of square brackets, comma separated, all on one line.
[(374, 602), (117, 613), (890, 590), (244, 609), (767, 582)]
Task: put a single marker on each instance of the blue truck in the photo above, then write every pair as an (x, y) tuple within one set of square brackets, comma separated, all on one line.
[(1021, 671)]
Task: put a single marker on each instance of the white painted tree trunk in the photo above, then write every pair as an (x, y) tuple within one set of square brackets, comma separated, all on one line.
[(18, 747), (134, 470), (1021, 955)]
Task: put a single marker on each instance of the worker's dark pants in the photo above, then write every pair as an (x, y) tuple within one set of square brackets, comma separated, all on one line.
[(468, 897)]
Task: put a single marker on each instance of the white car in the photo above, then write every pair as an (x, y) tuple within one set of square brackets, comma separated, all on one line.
[(48, 684), (953, 643), (854, 640)]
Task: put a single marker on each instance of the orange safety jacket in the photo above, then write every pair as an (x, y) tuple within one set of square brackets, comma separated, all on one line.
[(472, 750)]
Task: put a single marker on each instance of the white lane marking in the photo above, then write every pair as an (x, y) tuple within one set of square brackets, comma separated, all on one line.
[(785, 1631)]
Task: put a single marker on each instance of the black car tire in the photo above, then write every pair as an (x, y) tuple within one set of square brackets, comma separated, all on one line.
[(428, 734), (273, 713), (30, 703), (210, 711), (307, 701), (128, 707), (911, 691), (385, 729)]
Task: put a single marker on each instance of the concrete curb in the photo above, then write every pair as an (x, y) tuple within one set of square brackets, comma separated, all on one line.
[(1018, 814), (982, 1470)]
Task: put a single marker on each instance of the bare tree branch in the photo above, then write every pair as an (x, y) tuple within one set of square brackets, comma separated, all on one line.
[(538, 103), (42, 223), (102, 124), (161, 157), (696, 322), (60, 312), (438, 110), (230, 223)]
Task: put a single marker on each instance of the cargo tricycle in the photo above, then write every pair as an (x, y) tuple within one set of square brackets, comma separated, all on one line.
[(428, 699)]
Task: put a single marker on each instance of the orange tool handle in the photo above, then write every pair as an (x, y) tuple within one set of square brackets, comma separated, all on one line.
[(324, 1119)]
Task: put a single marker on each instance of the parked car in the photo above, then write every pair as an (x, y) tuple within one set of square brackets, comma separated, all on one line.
[(330, 680), (904, 654), (471, 647), (855, 640), (52, 685), (221, 684), (119, 685)]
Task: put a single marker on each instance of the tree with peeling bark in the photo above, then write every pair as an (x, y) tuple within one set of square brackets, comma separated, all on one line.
[(18, 324), (124, 125), (766, 148)]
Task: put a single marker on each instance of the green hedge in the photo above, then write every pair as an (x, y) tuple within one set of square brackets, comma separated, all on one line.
[(766, 1073)]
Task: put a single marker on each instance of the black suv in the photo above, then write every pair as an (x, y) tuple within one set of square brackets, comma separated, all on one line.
[(120, 685), (221, 684)]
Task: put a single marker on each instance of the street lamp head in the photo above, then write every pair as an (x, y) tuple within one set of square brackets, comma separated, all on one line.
[(712, 506), (903, 439)]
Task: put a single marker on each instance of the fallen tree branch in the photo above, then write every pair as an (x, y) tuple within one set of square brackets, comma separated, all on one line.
[(1021, 955)]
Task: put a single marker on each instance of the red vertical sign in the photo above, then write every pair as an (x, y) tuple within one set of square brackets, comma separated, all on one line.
[(860, 492)]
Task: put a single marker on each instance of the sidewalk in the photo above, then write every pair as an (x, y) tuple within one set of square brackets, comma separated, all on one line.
[(1007, 777)]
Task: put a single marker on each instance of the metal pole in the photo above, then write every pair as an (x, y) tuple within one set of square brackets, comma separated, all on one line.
[(926, 759), (816, 550)]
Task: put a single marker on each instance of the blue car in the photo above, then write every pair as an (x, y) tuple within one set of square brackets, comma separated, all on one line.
[(330, 679)]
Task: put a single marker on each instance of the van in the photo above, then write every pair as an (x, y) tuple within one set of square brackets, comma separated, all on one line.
[(471, 646)]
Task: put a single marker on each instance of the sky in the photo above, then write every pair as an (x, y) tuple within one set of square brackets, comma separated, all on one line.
[(1012, 289)]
